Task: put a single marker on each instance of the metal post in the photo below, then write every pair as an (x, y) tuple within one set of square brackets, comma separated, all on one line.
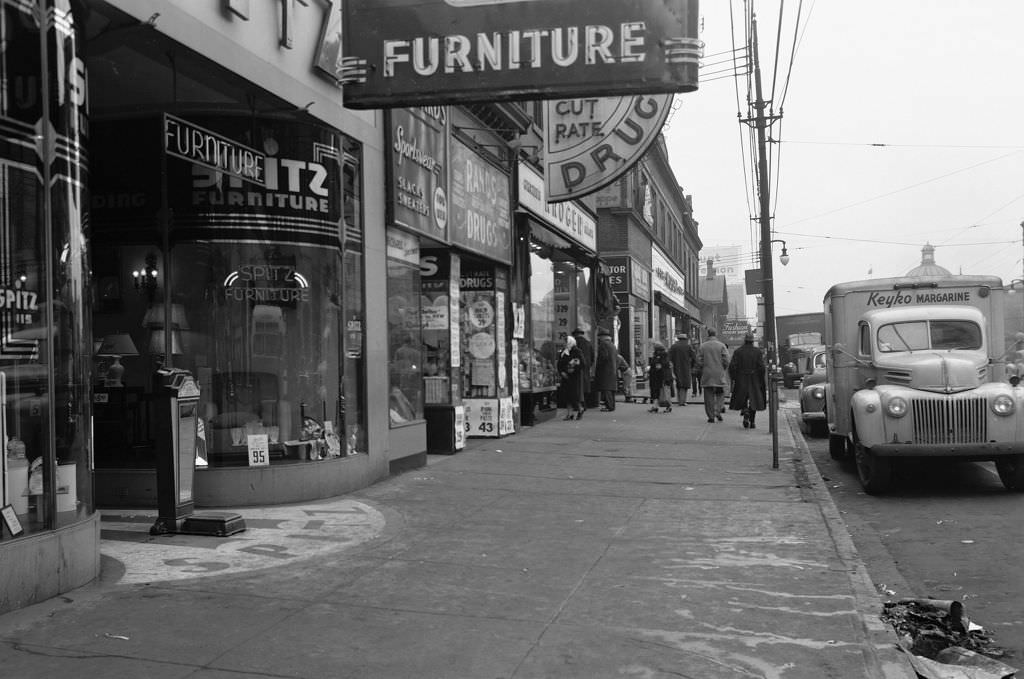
[(768, 284)]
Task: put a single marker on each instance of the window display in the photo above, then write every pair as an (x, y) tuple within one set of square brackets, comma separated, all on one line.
[(405, 335), (258, 295), (537, 362), (435, 314), (483, 297), (45, 337)]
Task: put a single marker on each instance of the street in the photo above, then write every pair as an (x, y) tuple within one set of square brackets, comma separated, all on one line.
[(944, 531)]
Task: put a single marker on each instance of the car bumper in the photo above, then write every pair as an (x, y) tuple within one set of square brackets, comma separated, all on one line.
[(976, 451), (813, 416)]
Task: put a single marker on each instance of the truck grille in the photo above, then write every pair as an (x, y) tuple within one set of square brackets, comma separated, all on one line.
[(944, 421)]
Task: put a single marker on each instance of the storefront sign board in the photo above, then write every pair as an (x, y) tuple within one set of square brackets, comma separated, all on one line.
[(403, 247), (568, 218), (617, 270), (410, 53), (480, 219), (198, 145), (418, 169), (591, 142), (483, 416), (666, 278)]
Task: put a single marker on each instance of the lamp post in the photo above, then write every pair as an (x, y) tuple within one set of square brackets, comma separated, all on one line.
[(768, 292)]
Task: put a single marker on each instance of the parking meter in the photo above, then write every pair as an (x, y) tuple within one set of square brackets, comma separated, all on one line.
[(175, 427)]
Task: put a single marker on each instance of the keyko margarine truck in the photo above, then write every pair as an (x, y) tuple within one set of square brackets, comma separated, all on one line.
[(916, 369)]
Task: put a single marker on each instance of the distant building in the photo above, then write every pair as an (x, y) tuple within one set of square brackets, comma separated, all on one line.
[(928, 267)]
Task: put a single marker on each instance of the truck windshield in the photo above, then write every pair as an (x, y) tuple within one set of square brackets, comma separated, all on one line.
[(920, 335)]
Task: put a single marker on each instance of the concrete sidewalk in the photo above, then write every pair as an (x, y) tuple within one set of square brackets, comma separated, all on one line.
[(627, 544)]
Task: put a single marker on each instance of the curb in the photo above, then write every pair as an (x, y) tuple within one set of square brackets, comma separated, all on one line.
[(882, 655)]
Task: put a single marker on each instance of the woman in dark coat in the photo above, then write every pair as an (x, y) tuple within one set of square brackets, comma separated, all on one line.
[(660, 375), (747, 372), (570, 371)]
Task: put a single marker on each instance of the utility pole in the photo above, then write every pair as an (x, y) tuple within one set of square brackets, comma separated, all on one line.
[(761, 122)]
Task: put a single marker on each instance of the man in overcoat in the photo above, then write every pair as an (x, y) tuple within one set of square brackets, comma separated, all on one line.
[(747, 372), (681, 355), (714, 364)]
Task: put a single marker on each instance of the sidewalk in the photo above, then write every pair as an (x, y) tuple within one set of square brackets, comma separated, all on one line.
[(627, 544)]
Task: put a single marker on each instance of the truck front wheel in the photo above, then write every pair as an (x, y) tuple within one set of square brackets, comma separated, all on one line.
[(1011, 472), (875, 472)]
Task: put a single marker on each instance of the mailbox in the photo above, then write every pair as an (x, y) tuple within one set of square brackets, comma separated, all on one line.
[(175, 427)]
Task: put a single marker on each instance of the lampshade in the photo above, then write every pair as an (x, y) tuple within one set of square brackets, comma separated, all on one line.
[(156, 342), (154, 317), (117, 344)]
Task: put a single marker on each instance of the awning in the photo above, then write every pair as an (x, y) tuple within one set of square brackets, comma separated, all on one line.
[(662, 300)]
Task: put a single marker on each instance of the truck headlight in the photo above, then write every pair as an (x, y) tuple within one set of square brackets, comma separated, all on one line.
[(896, 406), (818, 393), (1003, 405)]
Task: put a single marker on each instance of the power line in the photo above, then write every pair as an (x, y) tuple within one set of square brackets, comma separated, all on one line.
[(905, 188), (909, 146), (887, 242), (796, 44)]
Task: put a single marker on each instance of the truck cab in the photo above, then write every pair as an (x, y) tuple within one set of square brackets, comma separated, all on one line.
[(916, 369)]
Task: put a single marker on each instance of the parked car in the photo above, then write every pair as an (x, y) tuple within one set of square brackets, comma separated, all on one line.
[(813, 394)]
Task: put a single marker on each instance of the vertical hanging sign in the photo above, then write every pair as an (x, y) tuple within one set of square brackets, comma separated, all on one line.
[(417, 170)]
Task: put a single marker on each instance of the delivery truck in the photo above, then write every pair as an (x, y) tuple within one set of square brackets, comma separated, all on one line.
[(917, 369), (797, 335)]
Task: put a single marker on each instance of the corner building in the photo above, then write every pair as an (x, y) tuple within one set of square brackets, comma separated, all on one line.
[(182, 189), (211, 207)]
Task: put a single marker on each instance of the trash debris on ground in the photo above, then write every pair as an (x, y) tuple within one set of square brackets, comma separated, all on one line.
[(942, 643)]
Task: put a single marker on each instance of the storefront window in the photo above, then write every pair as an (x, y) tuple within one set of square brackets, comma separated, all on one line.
[(482, 312), (435, 314), (254, 295), (261, 327), (45, 339), (405, 335), (539, 371)]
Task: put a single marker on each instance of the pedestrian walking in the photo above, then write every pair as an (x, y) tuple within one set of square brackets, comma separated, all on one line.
[(587, 354), (747, 371), (659, 378), (625, 376), (681, 355), (606, 378), (570, 387), (714, 367), (695, 371)]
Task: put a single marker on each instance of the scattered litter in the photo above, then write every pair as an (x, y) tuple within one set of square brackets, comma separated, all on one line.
[(123, 637), (967, 542), (498, 450), (942, 643), (886, 591)]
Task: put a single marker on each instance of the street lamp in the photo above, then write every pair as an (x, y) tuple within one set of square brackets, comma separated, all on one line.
[(770, 342), (784, 257)]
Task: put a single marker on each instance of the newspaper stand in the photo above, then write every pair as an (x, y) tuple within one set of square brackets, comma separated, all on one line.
[(175, 411)]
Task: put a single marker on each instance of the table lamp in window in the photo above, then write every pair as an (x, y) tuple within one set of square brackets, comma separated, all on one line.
[(116, 346)]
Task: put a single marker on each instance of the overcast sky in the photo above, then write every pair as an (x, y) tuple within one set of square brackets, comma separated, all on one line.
[(938, 81)]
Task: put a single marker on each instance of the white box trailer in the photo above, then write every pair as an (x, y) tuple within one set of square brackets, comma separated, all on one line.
[(917, 369)]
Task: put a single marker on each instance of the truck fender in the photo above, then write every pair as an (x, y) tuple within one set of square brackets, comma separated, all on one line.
[(868, 420)]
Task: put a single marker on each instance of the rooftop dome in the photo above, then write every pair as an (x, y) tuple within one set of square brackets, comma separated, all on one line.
[(928, 267)]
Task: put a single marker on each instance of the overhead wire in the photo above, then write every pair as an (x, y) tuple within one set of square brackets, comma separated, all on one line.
[(732, 36)]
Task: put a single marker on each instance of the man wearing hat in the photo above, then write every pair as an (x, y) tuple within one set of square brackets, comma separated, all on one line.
[(606, 376), (714, 362), (746, 370), (681, 355), (587, 369)]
